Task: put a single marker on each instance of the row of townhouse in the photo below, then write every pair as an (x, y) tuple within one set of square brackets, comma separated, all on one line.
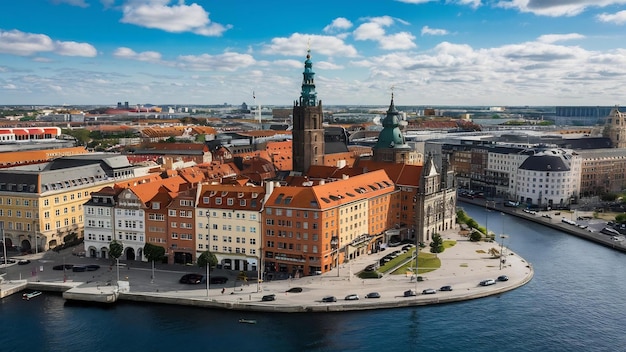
[(302, 227)]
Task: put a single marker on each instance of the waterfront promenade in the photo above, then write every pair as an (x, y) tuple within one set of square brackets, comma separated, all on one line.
[(463, 266)]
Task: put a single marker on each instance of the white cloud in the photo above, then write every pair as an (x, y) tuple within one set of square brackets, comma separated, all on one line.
[(79, 3), (556, 8), (553, 38), (616, 18), (433, 31), (374, 30), (25, 44), (224, 62), (472, 3), (177, 18), (297, 44), (338, 24), (127, 53), (75, 49)]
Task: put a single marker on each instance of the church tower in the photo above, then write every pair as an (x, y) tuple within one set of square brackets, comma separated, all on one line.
[(308, 131), (391, 145)]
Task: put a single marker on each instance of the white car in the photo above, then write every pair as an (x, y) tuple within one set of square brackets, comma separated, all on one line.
[(488, 282)]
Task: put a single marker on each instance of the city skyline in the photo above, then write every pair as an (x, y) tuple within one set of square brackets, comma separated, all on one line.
[(430, 52)]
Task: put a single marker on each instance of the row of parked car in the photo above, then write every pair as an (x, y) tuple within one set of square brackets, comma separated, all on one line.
[(76, 268)]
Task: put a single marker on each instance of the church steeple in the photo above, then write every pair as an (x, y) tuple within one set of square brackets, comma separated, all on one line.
[(308, 130), (308, 97)]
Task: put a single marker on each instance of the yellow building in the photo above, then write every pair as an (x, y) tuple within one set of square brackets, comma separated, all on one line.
[(43, 203)]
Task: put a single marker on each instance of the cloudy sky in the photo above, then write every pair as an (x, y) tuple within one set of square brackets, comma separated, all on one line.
[(430, 52)]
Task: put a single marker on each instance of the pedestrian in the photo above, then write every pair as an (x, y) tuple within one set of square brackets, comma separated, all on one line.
[(223, 290)]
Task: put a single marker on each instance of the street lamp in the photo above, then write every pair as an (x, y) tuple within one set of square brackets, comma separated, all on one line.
[(334, 245), (502, 259)]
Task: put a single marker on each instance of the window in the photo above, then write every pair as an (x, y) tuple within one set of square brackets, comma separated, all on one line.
[(171, 212)]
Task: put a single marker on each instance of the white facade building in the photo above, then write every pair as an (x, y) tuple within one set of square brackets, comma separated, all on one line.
[(549, 178)]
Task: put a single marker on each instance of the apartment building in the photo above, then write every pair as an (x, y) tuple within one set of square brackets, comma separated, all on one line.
[(40, 204), (229, 223), (313, 227)]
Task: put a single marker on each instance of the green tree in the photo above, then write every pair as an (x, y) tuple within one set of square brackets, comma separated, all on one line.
[(475, 236), (153, 253), (207, 257), (620, 218), (115, 249), (436, 246)]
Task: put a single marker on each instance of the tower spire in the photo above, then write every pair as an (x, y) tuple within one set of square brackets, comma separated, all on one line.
[(308, 96)]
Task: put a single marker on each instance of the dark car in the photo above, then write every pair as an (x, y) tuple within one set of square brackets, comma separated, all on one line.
[(409, 293), (294, 290), (445, 288), (92, 267), (329, 299), (79, 268), (372, 295), (503, 278), (268, 298), (23, 262), (63, 267), (370, 267), (218, 280), (193, 279)]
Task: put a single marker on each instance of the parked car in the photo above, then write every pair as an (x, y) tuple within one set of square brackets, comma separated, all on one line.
[(503, 278), (329, 299), (268, 298), (370, 267), (372, 295), (352, 297), (193, 279), (294, 290), (79, 268), (409, 293), (63, 267), (23, 262), (429, 291), (92, 267), (217, 280), (488, 282), (445, 288)]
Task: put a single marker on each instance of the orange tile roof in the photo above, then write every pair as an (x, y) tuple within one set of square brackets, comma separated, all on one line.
[(332, 194)]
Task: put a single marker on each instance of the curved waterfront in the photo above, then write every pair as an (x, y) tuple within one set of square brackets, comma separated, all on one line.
[(572, 304)]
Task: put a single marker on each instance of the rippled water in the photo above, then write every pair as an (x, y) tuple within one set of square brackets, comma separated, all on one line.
[(574, 303)]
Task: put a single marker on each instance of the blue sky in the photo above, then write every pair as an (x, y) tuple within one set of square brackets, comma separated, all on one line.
[(432, 52)]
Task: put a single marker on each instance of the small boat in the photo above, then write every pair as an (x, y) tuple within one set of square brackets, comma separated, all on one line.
[(28, 296), (247, 321)]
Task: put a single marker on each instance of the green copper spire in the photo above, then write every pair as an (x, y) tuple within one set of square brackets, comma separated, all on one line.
[(391, 136), (308, 96)]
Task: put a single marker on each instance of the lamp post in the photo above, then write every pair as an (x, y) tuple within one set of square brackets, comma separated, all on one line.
[(502, 259), (4, 248), (334, 245)]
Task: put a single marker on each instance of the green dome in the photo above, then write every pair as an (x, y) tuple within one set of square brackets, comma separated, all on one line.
[(391, 136)]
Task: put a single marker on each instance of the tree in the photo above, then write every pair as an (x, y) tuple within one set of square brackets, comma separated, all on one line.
[(436, 246), (153, 253), (115, 249), (475, 236), (207, 257)]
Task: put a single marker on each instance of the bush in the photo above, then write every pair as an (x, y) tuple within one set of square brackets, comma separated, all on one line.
[(475, 236), (370, 275)]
